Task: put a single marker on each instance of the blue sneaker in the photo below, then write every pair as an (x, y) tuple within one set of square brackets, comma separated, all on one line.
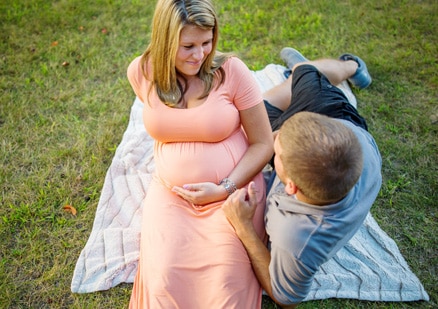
[(291, 57), (361, 79)]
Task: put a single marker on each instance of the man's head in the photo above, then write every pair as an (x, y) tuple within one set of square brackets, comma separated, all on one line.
[(319, 156)]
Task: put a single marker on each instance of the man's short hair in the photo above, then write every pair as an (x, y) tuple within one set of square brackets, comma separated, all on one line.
[(321, 155)]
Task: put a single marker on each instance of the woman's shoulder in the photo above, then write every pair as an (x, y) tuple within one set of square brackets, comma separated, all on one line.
[(137, 78), (235, 69), (135, 67), (233, 62), (135, 64)]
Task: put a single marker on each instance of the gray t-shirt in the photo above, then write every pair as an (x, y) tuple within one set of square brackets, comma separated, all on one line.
[(303, 236)]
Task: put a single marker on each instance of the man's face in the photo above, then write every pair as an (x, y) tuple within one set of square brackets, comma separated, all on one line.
[(279, 168)]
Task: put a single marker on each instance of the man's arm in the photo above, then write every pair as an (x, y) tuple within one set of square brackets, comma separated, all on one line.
[(239, 209)]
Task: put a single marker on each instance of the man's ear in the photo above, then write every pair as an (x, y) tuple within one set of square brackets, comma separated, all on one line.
[(290, 187)]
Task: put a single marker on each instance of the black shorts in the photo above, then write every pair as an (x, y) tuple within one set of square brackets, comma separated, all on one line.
[(312, 92)]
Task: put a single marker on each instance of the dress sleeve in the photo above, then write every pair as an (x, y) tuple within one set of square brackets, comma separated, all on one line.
[(244, 90), (136, 78)]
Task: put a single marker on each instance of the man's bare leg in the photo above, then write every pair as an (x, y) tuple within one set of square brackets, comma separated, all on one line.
[(336, 72)]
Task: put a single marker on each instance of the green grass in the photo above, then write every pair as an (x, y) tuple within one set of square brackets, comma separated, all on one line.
[(65, 104)]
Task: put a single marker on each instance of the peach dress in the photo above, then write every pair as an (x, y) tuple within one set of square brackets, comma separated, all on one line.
[(190, 256)]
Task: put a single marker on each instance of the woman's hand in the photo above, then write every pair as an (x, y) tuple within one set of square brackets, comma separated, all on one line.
[(201, 193)]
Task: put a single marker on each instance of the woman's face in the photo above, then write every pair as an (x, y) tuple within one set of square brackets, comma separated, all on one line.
[(195, 45)]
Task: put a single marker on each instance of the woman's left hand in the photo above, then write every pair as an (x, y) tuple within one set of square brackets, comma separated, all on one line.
[(201, 193)]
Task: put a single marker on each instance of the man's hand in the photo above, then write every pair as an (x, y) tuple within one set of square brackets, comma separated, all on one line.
[(240, 207)]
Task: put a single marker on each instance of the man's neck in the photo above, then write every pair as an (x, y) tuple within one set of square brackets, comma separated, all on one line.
[(301, 197)]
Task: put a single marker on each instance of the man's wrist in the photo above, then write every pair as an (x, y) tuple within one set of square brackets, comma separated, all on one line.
[(245, 230)]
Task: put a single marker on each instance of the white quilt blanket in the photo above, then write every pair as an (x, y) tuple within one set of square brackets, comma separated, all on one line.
[(369, 267)]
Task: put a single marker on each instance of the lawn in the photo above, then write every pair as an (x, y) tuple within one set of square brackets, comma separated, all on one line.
[(65, 103)]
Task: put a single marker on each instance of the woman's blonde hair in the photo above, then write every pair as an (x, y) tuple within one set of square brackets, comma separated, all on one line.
[(169, 19), (322, 156)]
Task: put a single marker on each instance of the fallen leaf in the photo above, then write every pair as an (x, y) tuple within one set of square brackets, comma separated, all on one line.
[(54, 43), (70, 209)]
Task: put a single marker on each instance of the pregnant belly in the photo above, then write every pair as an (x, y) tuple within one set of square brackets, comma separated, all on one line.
[(192, 162)]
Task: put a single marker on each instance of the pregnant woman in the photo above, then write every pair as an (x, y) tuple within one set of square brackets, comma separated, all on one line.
[(212, 136)]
